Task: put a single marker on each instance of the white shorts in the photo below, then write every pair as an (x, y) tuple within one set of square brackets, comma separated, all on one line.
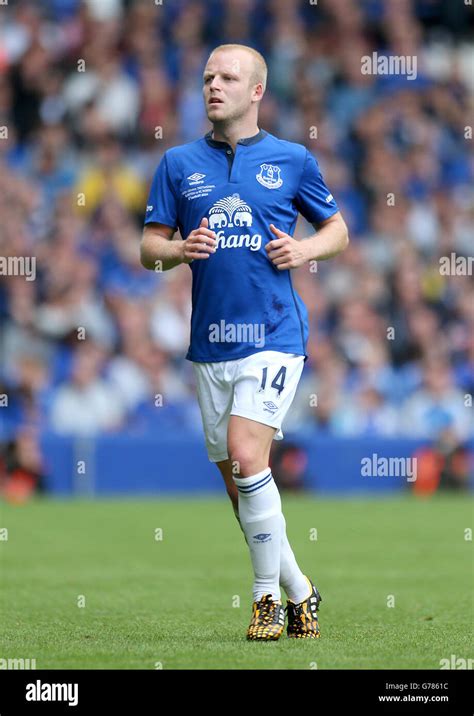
[(260, 387)]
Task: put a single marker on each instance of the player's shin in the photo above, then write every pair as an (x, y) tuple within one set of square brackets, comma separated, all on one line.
[(292, 578), (260, 515)]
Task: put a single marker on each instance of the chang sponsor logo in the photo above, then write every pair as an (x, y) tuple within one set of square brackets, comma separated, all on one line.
[(232, 212)]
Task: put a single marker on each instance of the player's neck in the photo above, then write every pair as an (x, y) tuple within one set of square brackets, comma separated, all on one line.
[(231, 135)]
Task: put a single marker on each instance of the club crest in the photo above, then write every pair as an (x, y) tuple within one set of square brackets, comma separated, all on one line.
[(269, 176)]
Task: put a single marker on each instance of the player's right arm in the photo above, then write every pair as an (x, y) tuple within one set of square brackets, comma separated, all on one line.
[(158, 250)]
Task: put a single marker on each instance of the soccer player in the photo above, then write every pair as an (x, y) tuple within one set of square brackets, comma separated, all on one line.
[(234, 195)]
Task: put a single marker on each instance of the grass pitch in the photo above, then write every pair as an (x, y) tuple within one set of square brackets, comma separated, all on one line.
[(157, 583)]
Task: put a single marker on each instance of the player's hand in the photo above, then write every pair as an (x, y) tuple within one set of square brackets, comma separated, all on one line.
[(200, 244), (284, 251)]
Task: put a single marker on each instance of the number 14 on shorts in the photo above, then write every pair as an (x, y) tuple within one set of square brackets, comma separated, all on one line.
[(278, 381)]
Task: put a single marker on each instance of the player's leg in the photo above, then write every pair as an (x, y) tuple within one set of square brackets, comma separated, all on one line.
[(215, 390), (248, 444), (246, 432), (259, 509), (292, 578), (259, 503), (265, 384), (264, 389)]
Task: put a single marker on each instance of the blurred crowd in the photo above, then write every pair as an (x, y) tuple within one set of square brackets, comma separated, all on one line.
[(92, 93)]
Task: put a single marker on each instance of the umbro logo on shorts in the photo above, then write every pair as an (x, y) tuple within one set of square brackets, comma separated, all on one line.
[(271, 407)]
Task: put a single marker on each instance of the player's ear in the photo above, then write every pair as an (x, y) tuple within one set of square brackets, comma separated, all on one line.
[(257, 92)]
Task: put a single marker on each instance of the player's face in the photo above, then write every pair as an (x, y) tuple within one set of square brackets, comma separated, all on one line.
[(227, 89)]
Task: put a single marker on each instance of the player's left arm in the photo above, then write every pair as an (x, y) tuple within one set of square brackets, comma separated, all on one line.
[(330, 239)]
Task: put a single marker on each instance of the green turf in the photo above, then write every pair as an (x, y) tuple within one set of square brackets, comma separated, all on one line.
[(172, 601)]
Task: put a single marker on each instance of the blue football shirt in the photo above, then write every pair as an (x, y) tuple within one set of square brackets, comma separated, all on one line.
[(241, 303)]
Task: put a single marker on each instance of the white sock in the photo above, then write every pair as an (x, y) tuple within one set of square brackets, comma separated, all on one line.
[(292, 579), (260, 518)]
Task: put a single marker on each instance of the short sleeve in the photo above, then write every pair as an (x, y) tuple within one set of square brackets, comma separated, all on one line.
[(313, 199), (162, 205)]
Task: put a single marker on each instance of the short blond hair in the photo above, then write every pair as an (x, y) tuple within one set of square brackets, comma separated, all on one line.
[(259, 73)]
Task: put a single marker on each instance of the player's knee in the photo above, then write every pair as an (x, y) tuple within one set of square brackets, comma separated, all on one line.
[(245, 459)]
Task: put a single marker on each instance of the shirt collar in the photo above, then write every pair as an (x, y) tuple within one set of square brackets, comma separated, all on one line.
[(246, 142)]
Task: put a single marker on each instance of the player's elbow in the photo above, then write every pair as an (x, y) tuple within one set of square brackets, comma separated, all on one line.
[(145, 255), (345, 238), (344, 235)]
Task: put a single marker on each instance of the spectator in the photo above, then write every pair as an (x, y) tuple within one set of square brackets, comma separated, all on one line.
[(87, 404)]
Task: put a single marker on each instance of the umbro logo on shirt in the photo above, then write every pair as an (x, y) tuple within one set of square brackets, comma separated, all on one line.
[(195, 178)]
